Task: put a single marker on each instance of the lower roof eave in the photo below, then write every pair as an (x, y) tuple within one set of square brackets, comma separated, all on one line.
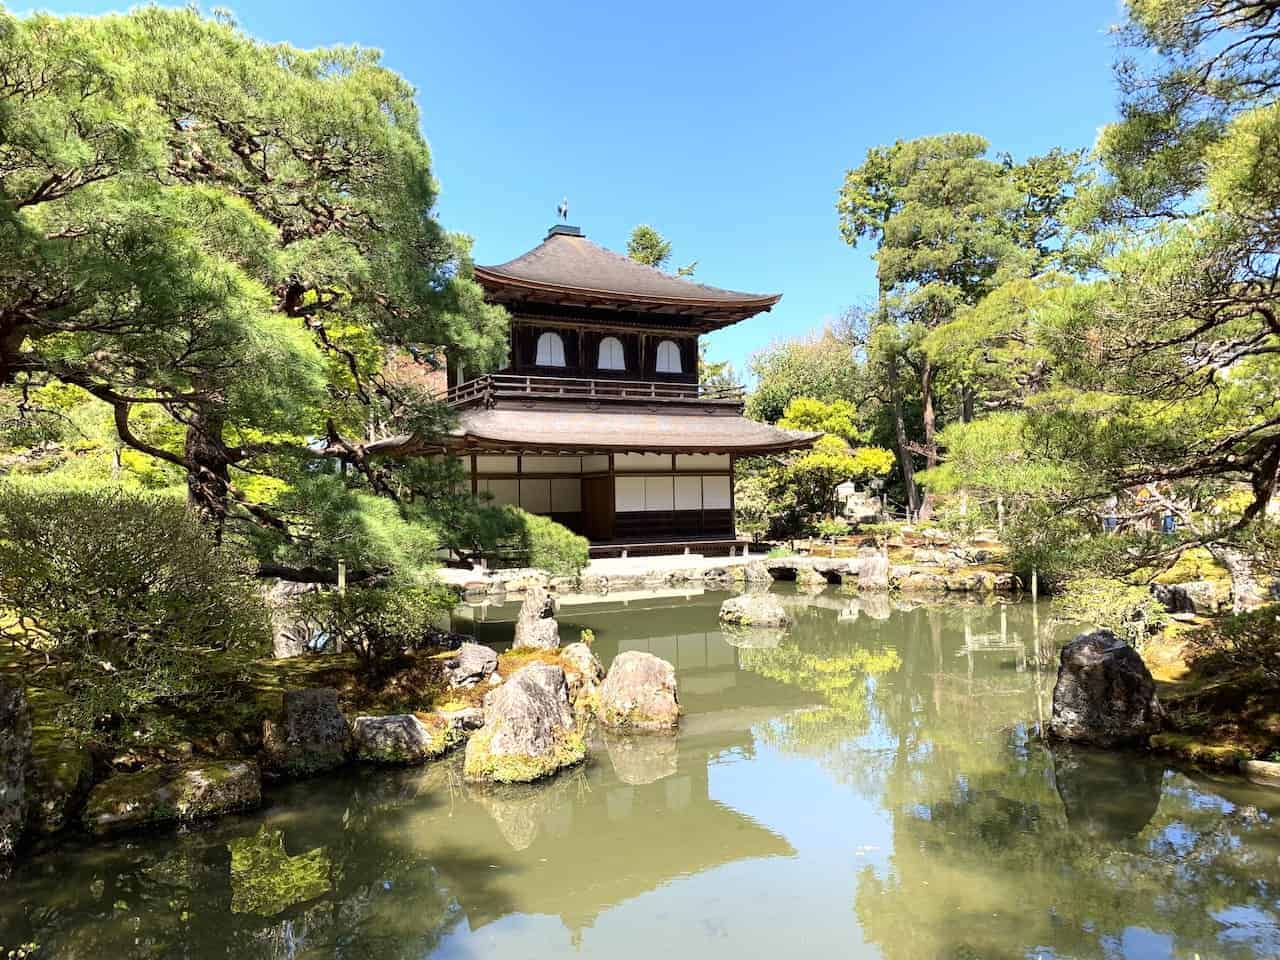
[(481, 445)]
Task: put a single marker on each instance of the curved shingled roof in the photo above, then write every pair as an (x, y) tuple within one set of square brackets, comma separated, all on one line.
[(567, 264), (599, 430)]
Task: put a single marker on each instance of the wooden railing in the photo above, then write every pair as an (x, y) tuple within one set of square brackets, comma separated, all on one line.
[(496, 385)]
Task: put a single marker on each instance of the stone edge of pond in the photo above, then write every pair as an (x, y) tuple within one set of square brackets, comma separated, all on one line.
[(869, 571)]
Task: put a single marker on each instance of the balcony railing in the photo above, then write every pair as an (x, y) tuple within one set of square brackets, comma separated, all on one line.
[(517, 386)]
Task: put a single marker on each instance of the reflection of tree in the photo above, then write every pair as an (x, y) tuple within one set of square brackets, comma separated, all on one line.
[(843, 679), (335, 880), (992, 866)]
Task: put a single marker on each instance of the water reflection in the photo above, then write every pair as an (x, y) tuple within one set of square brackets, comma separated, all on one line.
[(867, 784)]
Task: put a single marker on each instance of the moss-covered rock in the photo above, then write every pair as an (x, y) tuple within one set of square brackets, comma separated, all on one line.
[(755, 610), (639, 693), (529, 730), (172, 794), (61, 775), (403, 739), (312, 737)]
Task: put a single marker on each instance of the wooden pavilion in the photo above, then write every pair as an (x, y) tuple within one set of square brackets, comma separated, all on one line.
[(599, 420)]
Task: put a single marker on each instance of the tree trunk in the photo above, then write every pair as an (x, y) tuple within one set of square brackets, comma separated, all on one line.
[(926, 392), (900, 428), (208, 471), (1246, 592)]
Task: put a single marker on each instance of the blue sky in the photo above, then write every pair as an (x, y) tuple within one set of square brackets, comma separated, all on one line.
[(728, 126)]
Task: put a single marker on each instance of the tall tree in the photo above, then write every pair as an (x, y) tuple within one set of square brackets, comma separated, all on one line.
[(237, 235), (939, 212), (646, 245), (1163, 366)]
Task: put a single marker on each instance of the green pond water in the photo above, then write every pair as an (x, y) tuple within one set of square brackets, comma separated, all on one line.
[(869, 785)]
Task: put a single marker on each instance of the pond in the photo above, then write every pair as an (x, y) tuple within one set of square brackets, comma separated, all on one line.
[(869, 786)]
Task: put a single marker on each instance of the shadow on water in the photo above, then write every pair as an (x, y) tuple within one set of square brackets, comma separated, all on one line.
[(868, 783)]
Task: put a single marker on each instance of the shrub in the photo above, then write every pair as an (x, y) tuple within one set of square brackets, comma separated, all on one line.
[(1128, 611), (379, 623), (1249, 641), (541, 542), (123, 592), (831, 528)]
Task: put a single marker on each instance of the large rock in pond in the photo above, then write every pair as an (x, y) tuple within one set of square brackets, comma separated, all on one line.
[(313, 737), (1104, 694), (403, 739), (528, 731), (471, 664), (639, 693), (872, 571), (755, 610), (753, 572), (807, 576), (15, 765), (536, 627), (164, 795)]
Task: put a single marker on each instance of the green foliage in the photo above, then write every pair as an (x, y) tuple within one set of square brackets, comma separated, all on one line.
[(830, 528), (1127, 610), (248, 232), (753, 507), (380, 624), (646, 245), (815, 475), (123, 592), (541, 542), (1248, 641), (837, 417), (820, 367)]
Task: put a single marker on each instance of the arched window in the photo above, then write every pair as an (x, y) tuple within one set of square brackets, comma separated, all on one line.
[(611, 355), (550, 350), (668, 358)]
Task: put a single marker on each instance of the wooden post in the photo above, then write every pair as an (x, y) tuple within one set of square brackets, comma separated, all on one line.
[(1035, 585), (342, 577)]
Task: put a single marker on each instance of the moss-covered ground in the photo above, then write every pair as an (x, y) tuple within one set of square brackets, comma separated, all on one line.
[(1217, 716)]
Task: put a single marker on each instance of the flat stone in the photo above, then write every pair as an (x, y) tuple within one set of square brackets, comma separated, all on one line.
[(1264, 772), (172, 794), (639, 693), (470, 665)]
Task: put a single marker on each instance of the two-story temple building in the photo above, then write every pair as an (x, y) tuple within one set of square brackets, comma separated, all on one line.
[(599, 419)]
